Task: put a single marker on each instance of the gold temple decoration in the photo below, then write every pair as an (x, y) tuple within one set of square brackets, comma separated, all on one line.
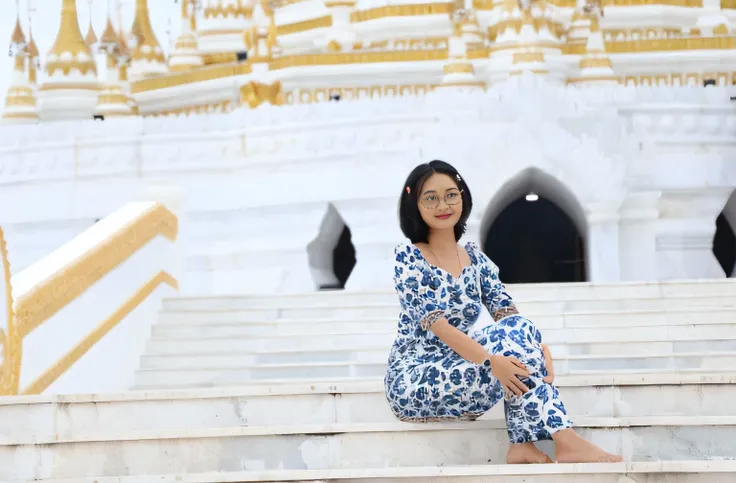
[(146, 46), (51, 295), (10, 339), (262, 37), (20, 101), (185, 55), (65, 362), (253, 94), (64, 286), (69, 51), (112, 101)]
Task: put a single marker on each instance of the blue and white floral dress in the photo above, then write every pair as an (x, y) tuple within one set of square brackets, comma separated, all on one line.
[(428, 381)]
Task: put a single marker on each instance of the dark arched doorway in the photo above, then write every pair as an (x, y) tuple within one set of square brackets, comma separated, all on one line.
[(343, 258), (724, 245), (534, 241)]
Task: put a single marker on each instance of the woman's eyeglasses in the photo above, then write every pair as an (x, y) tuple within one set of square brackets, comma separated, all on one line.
[(432, 200)]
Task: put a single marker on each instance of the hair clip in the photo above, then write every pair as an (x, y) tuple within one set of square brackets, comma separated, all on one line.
[(408, 190), (458, 177)]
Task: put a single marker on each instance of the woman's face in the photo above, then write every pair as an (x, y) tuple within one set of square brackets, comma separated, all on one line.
[(440, 202)]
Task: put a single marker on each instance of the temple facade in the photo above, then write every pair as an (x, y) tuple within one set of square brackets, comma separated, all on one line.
[(597, 138)]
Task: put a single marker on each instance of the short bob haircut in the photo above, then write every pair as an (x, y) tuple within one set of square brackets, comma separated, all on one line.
[(410, 220)]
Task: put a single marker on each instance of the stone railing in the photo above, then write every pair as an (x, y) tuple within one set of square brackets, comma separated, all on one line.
[(66, 303)]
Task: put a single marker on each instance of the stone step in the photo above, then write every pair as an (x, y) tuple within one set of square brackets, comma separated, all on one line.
[(69, 416), (344, 446), (620, 292), (615, 318), (564, 363), (348, 342), (695, 471), (227, 372), (220, 333)]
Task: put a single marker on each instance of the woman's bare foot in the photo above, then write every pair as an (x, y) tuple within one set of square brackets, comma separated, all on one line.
[(526, 454), (570, 447)]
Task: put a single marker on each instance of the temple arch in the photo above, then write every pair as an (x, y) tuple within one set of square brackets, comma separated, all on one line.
[(724, 240), (535, 230)]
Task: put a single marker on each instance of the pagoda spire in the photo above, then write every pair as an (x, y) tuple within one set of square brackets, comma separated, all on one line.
[(70, 89), (185, 55), (147, 57), (20, 102)]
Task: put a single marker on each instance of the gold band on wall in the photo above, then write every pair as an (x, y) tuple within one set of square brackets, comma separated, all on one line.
[(11, 341), (54, 293), (52, 374)]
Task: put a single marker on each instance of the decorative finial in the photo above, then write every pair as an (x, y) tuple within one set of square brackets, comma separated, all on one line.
[(593, 7)]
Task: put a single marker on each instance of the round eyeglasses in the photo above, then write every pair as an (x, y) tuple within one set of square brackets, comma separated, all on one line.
[(431, 200)]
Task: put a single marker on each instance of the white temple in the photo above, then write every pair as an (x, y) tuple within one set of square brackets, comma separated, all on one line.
[(256, 168)]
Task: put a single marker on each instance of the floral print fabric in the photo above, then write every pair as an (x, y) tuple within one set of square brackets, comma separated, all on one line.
[(428, 381)]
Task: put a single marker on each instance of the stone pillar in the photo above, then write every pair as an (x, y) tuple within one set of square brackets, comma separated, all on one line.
[(603, 243), (638, 236)]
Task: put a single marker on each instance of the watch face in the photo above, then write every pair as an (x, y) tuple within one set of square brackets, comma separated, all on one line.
[(487, 363)]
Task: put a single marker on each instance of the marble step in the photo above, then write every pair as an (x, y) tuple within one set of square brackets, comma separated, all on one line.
[(696, 471), (618, 292), (616, 318), (225, 371), (344, 446), (560, 344), (564, 363), (693, 330), (361, 401)]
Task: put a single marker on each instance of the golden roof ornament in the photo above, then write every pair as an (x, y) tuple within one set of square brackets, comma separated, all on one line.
[(109, 35), (146, 45), (20, 103), (18, 38), (91, 38), (33, 52), (593, 8), (69, 50)]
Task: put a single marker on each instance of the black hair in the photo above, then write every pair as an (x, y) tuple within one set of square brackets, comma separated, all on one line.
[(410, 220)]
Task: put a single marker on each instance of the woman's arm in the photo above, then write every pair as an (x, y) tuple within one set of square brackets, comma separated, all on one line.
[(492, 291), (550, 377), (505, 369)]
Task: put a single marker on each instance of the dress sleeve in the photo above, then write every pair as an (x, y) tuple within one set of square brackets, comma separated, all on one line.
[(492, 291), (422, 294)]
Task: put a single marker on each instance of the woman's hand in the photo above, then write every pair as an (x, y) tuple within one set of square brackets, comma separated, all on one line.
[(507, 370)]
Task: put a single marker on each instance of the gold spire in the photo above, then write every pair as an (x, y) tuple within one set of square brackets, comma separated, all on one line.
[(147, 46), (109, 36), (69, 50), (18, 36), (20, 103), (91, 38), (33, 52)]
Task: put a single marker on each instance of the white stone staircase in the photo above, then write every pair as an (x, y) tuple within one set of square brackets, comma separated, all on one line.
[(591, 329), (288, 389)]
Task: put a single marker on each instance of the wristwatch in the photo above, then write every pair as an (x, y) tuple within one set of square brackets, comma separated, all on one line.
[(487, 363)]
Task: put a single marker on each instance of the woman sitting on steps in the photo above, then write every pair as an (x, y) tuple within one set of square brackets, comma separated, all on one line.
[(439, 369)]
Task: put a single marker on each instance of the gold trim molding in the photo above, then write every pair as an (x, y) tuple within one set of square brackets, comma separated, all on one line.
[(223, 107), (57, 291), (322, 94), (53, 373), (305, 25), (406, 10), (191, 77), (10, 340)]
